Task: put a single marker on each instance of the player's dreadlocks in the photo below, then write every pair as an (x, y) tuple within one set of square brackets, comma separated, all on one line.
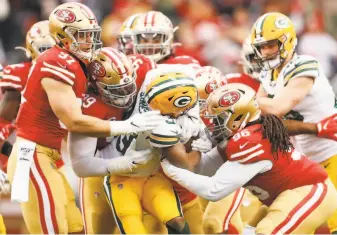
[(274, 130)]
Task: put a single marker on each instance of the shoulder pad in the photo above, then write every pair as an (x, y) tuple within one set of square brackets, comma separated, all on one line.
[(300, 66)]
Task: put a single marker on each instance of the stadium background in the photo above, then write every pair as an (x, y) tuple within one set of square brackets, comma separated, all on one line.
[(209, 30)]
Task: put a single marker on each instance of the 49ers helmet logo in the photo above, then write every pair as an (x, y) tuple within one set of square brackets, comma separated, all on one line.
[(97, 69), (35, 32), (182, 101), (65, 16), (211, 86), (229, 98)]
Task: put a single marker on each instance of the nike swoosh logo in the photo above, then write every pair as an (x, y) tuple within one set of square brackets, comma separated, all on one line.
[(326, 166), (175, 132), (61, 65), (242, 146), (135, 163), (7, 70), (134, 124)]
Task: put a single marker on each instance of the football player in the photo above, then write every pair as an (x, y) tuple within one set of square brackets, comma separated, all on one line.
[(50, 107), (295, 87), (14, 78), (222, 215), (145, 187), (153, 35), (111, 95), (260, 157), (13, 81)]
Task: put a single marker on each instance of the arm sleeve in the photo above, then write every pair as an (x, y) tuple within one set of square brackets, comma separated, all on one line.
[(229, 177), (210, 162), (84, 160)]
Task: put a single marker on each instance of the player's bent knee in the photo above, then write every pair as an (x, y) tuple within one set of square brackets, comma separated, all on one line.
[(212, 225)]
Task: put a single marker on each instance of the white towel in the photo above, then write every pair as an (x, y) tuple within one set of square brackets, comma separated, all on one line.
[(20, 185)]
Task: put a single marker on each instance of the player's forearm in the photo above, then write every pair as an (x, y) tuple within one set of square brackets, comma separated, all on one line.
[(209, 162), (82, 155), (274, 106), (96, 127), (203, 186), (179, 157), (298, 127), (90, 126)]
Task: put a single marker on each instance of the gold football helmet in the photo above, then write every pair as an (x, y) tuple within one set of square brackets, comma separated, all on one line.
[(125, 38), (207, 80), (114, 77), (172, 94), (75, 28), (38, 39), (230, 108), (269, 28), (154, 35)]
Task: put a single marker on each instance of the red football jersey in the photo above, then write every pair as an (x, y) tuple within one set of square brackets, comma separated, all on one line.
[(15, 76), (142, 65), (244, 79), (183, 59), (36, 120), (93, 105), (290, 170)]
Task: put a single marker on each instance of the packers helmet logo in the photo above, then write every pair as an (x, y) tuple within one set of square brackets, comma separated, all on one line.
[(182, 101), (211, 86), (65, 16), (97, 69), (282, 23), (229, 98)]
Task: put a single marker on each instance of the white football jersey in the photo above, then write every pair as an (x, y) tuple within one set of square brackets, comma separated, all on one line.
[(317, 105)]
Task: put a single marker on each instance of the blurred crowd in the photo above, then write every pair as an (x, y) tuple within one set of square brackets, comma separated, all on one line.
[(212, 31)]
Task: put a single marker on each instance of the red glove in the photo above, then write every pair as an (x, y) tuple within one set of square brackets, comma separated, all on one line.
[(327, 128), (6, 131)]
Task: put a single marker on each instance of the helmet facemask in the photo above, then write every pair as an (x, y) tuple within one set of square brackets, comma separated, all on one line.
[(84, 42), (271, 61), (251, 66), (155, 45), (125, 44), (120, 96), (217, 130)]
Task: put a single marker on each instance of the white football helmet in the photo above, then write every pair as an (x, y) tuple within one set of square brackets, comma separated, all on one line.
[(207, 80), (250, 65), (154, 35)]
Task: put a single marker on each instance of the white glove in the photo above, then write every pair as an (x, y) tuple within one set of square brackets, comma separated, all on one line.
[(168, 168), (131, 160), (190, 127), (202, 145), (137, 123), (4, 183)]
